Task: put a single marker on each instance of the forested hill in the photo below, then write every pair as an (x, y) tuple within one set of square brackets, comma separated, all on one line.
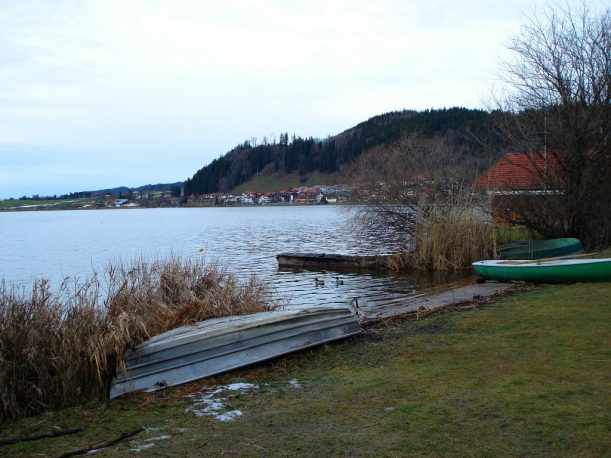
[(305, 155)]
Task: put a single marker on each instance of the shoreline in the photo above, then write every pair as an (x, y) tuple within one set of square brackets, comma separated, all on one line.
[(146, 207), (504, 374)]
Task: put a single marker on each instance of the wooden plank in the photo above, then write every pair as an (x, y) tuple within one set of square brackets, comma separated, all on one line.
[(431, 301), (329, 261)]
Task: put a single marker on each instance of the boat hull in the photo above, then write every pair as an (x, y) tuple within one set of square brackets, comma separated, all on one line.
[(538, 249), (219, 345), (329, 261), (557, 271)]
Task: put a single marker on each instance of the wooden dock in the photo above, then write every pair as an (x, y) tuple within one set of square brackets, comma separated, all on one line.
[(329, 261), (432, 301)]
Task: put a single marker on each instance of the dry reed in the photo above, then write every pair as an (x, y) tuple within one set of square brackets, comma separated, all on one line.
[(447, 236), (62, 348)]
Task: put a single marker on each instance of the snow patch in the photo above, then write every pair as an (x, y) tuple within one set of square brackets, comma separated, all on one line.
[(212, 404), (141, 447), (165, 437), (294, 383), (237, 387), (148, 443)]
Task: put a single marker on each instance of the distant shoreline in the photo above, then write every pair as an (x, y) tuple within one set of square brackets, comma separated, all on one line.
[(40, 208)]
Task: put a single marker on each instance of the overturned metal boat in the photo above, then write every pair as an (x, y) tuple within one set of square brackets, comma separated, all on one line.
[(222, 344)]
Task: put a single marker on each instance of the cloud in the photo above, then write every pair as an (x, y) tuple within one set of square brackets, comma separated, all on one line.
[(153, 81)]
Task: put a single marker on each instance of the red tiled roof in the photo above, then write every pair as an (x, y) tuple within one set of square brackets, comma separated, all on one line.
[(517, 171)]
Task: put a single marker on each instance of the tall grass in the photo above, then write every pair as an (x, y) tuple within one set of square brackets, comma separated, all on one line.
[(447, 236), (62, 347)]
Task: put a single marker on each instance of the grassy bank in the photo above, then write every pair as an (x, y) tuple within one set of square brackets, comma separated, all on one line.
[(527, 376)]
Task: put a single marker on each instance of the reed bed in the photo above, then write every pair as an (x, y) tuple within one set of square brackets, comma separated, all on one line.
[(447, 236), (61, 347)]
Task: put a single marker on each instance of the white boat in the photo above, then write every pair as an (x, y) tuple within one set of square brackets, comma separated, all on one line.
[(214, 346)]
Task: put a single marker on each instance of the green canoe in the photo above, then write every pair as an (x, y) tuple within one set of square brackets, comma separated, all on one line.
[(553, 271), (538, 249)]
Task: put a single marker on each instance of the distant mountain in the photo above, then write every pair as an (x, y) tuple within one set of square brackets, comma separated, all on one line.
[(124, 190), (305, 156), (159, 186)]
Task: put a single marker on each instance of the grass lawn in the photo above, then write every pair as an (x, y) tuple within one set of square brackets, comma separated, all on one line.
[(527, 376), (11, 204)]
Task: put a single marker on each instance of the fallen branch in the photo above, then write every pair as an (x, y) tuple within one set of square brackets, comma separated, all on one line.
[(101, 445), (59, 432)]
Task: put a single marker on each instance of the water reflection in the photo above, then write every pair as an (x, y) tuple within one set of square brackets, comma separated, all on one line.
[(56, 244)]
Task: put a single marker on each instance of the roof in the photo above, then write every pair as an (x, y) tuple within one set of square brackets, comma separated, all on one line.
[(517, 171)]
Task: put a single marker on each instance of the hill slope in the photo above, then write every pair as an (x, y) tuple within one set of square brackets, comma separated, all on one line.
[(300, 157)]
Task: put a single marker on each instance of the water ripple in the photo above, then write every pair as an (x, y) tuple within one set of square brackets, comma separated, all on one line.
[(55, 244)]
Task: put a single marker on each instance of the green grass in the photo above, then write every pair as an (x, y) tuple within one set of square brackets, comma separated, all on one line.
[(528, 376), (267, 180), (30, 204)]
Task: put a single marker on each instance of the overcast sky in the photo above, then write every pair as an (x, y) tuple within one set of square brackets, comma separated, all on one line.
[(100, 93)]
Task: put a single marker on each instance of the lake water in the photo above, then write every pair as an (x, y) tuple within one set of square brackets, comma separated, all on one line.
[(56, 244)]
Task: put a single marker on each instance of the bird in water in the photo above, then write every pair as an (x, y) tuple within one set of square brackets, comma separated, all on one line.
[(338, 281), (354, 302), (318, 282)]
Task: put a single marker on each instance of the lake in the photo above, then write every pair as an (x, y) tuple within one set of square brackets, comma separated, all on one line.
[(57, 244)]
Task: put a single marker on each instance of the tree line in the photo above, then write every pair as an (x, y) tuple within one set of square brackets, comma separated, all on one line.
[(329, 155)]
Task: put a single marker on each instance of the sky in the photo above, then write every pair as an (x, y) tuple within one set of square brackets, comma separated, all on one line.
[(96, 94)]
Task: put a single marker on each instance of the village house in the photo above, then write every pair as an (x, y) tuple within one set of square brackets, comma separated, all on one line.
[(285, 196), (247, 199), (302, 195), (120, 202), (264, 199), (310, 195), (514, 181), (228, 199)]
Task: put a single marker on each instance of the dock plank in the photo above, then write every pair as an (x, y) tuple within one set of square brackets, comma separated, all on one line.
[(433, 301), (330, 261)]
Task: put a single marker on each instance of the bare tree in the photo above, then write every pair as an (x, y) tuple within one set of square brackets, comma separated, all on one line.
[(557, 109), (391, 180)]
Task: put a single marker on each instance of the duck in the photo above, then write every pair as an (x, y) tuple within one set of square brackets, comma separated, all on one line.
[(354, 302), (338, 281), (318, 282)]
